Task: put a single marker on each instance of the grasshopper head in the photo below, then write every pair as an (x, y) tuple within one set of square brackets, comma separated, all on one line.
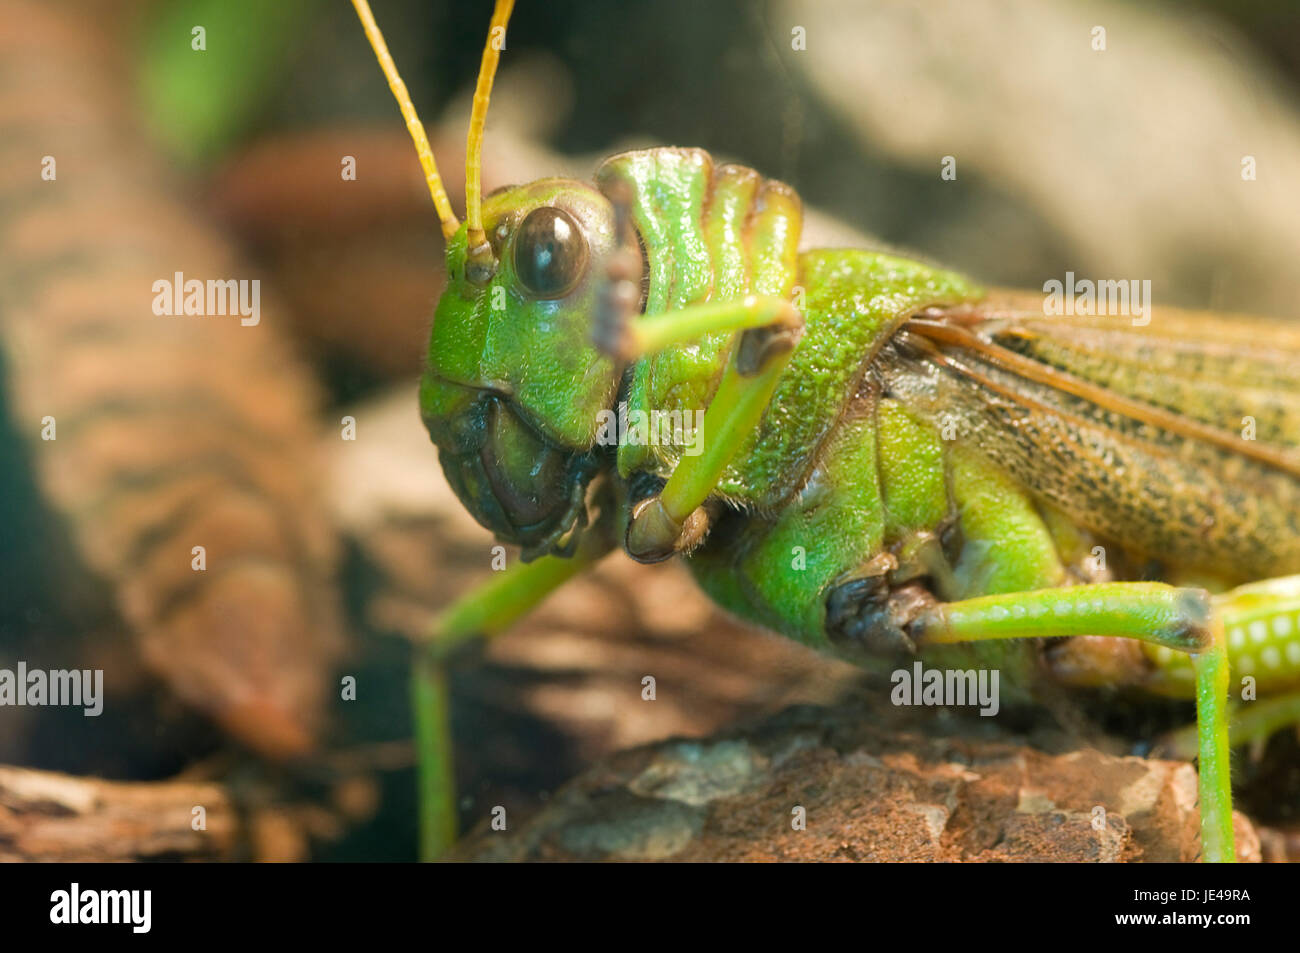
[(513, 387)]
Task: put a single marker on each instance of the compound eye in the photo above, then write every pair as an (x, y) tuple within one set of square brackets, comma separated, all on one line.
[(550, 253)]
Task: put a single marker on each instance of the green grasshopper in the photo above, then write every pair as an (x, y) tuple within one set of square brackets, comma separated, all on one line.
[(890, 461)]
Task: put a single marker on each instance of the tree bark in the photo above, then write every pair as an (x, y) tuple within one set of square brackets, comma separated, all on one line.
[(45, 816)]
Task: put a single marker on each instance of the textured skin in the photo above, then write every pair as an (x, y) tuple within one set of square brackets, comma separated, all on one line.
[(694, 219)]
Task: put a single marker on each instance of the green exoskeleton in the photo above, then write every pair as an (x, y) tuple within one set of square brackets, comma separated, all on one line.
[(866, 453)]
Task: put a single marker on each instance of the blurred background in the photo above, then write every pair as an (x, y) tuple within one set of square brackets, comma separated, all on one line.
[(1107, 139)]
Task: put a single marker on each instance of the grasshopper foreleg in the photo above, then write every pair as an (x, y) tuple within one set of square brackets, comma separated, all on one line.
[(768, 329), (485, 611)]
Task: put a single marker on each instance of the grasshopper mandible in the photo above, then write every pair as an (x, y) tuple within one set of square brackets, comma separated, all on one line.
[(941, 462)]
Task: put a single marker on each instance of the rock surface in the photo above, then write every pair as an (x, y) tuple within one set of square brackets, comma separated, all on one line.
[(936, 791)]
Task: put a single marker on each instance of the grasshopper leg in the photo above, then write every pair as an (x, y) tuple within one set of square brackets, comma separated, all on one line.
[(768, 329), (485, 611), (1262, 626), (1167, 616), (1247, 725)]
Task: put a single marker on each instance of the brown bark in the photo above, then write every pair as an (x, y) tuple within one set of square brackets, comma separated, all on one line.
[(45, 816), (173, 431)]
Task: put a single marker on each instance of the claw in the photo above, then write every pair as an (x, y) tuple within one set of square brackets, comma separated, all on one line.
[(653, 535), (757, 345)]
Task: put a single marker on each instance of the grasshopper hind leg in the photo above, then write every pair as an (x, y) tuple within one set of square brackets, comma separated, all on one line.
[(1180, 619), (1261, 624)]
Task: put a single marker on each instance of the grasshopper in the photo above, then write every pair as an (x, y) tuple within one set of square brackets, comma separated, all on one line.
[(886, 460)]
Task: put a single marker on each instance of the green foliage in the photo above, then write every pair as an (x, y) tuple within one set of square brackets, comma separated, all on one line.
[(197, 101)]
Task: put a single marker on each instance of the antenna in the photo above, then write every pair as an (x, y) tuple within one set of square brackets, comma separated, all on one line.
[(413, 124), (480, 262)]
